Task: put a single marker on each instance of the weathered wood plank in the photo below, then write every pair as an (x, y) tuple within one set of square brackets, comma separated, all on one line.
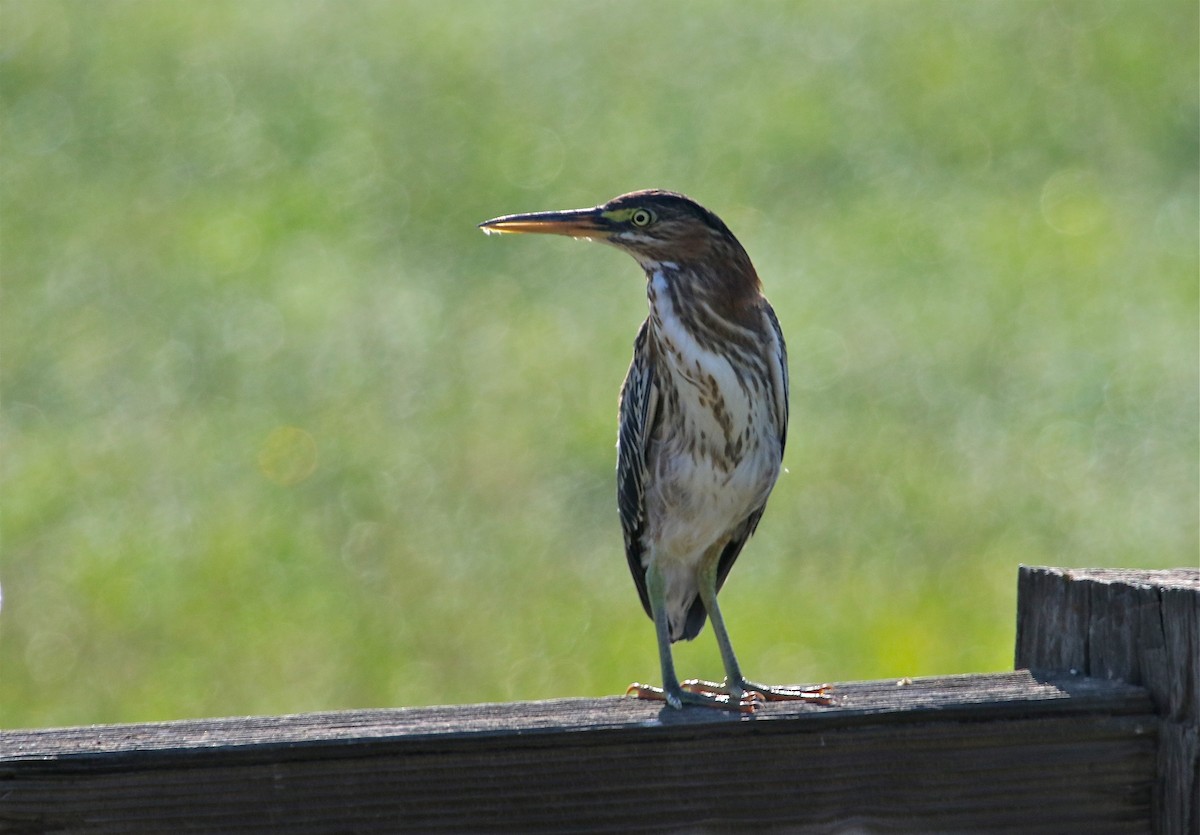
[(1142, 627), (976, 696), (1013, 750)]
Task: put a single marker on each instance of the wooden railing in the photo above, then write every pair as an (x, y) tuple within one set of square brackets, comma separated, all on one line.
[(1096, 731)]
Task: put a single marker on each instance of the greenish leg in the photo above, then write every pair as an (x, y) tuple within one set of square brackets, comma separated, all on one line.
[(654, 586), (672, 692), (735, 682), (736, 686)]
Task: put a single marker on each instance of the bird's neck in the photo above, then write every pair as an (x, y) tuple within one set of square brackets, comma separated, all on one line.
[(701, 325), (705, 296)]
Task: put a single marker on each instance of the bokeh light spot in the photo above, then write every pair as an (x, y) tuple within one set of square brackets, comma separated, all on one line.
[(1071, 202), (288, 455), (533, 158)]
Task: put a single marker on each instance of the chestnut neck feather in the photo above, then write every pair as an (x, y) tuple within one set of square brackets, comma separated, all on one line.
[(714, 286)]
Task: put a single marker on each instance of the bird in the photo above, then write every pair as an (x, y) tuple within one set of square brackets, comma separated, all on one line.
[(703, 416)]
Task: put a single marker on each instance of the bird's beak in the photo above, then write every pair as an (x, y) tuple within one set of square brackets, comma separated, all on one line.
[(576, 223)]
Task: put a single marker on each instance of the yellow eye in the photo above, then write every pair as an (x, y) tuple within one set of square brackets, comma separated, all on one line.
[(641, 217)]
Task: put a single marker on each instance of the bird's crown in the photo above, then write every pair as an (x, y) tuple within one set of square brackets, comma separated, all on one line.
[(652, 208)]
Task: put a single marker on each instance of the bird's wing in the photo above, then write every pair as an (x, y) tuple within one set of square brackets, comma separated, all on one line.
[(780, 389), (639, 413), (779, 393)]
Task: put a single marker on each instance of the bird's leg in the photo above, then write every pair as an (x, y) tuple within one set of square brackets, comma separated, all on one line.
[(736, 685), (671, 692)]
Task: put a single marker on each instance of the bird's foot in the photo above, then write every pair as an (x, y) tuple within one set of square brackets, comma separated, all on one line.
[(677, 698), (821, 694)]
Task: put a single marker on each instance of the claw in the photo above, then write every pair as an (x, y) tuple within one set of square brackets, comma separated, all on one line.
[(701, 698), (821, 694), (699, 685), (647, 692)]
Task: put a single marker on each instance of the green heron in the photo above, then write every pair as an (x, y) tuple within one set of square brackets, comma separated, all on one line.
[(703, 422)]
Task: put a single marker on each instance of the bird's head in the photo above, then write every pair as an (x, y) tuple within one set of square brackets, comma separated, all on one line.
[(653, 226)]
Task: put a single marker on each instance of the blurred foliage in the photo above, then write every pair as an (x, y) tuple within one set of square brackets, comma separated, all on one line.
[(282, 431)]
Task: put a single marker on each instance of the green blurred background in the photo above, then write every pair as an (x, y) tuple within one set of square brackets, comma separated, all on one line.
[(283, 432)]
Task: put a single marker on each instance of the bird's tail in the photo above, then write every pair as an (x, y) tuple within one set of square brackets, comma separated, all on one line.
[(692, 624)]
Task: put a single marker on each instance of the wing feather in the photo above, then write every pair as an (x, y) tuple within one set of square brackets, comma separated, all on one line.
[(638, 415)]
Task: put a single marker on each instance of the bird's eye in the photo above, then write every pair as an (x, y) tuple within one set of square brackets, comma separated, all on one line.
[(641, 217)]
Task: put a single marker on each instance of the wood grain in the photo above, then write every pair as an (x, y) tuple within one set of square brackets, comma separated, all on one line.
[(1097, 732), (1010, 750), (1141, 627)]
